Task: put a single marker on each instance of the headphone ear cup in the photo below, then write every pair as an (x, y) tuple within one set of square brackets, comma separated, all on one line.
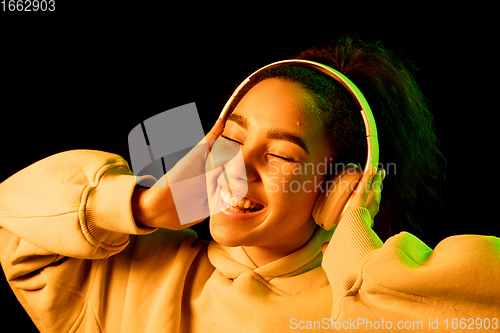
[(334, 198)]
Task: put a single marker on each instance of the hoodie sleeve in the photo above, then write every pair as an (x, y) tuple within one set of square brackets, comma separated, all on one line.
[(65, 225), (404, 280), (73, 205), (76, 204)]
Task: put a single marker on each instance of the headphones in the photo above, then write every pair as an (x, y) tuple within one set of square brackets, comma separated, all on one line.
[(337, 192)]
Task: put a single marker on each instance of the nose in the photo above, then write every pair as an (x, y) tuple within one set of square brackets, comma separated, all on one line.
[(236, 169), (244, 169)]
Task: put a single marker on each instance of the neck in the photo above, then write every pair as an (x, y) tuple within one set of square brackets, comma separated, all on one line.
[(264, 255)]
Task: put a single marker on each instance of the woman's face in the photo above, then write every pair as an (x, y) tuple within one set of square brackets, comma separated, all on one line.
[(281, 147)]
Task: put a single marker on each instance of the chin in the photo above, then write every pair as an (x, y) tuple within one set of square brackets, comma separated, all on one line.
[(235, 227), (230, 235)]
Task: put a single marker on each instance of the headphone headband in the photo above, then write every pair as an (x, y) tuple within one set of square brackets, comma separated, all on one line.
[(366, 113)]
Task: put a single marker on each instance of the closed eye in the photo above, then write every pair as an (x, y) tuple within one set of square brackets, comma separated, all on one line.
[(228, 138), (270, 156), (277, 157)]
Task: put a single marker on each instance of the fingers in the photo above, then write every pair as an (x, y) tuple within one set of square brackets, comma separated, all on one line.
[(324, 247), (211, 136), (215, 132), (372, 181), (376, 184), (375, 194), (193, 163), (365, 185)]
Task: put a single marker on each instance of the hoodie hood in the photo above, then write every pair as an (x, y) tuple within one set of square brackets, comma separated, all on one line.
[(293, 274)]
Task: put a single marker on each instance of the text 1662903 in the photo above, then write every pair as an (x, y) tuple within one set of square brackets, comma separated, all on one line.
[(28, 5)]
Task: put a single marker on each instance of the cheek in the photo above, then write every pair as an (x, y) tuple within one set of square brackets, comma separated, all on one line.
[(211, 180), (291, 191)]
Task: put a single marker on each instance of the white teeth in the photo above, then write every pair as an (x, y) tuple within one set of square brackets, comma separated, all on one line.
[(244, 203), (239, 210), (234, 204), (225, 196)]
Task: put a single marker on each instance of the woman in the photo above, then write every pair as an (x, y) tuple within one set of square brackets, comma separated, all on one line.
[(85, 249)]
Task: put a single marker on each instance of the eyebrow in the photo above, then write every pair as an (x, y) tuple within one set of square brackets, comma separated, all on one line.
[(239, 119), (275, 134), (282, 135)]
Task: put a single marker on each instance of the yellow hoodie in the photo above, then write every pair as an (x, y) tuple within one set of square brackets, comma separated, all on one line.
[(77, 262)]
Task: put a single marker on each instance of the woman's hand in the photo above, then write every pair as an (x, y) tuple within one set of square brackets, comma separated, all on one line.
[(155, 206), (367, 194)]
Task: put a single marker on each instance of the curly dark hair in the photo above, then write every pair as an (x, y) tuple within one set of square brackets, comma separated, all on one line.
[(405, 128), (409, 149)]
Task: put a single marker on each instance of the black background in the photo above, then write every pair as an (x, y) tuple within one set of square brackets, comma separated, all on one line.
[(82, 78)]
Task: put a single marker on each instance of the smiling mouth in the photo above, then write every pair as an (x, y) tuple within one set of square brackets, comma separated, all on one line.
[(244, 205)]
